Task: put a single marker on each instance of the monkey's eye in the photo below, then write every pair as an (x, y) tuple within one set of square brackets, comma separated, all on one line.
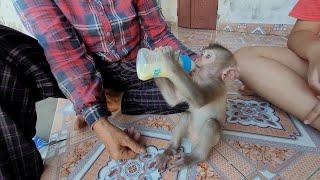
[(208, 56)]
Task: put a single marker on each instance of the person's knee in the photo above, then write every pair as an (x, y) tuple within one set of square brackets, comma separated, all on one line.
[(246, 54)]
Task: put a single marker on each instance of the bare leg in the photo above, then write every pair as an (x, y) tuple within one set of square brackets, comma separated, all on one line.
[(278, 75)]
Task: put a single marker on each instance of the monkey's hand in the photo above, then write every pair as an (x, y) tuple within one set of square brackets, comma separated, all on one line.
[(182, 81), (169, 57)]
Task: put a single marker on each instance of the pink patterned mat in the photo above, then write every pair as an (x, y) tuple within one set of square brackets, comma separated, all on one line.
[(260, 141)]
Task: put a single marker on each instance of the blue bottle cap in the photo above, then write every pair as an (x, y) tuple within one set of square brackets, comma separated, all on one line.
[(186, 63)]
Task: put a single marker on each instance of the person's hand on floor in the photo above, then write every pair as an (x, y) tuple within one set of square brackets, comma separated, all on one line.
[(119, 143)]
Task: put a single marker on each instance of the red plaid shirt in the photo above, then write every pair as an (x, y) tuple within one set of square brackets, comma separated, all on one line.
[(71, 30)]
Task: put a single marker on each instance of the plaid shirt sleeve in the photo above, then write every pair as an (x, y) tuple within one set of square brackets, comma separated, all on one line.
[(155, 28), (72, 66)]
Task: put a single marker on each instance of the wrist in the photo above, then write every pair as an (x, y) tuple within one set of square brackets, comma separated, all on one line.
[(102, 123)]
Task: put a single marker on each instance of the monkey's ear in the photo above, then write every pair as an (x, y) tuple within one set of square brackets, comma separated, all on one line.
[(230, 74)]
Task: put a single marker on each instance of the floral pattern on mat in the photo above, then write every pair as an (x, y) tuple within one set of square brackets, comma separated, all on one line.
[(142, 167), (278, 147), (205, 171), (251, 112), (271, 157)]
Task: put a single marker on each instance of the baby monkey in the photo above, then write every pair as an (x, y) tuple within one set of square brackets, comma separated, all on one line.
[(205, 92)]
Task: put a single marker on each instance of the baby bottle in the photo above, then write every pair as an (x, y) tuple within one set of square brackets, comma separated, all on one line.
[(149, 66)]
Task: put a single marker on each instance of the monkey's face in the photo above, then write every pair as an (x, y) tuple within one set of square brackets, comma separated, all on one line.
[(211, 57), (207, 66), (212, 65), (207, 57)]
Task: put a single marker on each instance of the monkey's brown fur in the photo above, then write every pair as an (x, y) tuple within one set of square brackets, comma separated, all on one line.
[(204, 90)]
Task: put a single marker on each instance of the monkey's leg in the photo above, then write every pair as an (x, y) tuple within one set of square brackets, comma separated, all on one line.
[(168, 91), (178, 133), (209, 135)]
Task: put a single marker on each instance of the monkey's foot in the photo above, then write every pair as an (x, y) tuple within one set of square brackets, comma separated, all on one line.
[(185, 160), (162, 161)]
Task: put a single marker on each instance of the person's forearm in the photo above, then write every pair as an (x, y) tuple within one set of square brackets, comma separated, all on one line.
[(69, 60), (100, 126), (303, 43)]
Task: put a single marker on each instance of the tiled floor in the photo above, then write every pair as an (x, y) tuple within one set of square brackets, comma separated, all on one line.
[(276, 147)]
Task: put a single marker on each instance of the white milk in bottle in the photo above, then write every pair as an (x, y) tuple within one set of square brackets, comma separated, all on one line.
[(149, 66)]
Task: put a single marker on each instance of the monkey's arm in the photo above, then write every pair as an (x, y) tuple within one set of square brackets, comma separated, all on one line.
[(168, 91), (181, 81), (187, 87)]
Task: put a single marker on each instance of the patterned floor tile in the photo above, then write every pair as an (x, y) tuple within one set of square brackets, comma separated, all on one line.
[(260, 141)]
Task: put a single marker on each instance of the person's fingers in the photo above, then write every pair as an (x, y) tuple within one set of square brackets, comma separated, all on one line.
[(317, 83), (314, 80), (134, 146), (131, 130), (313, 115), (129, 133), (127, 153), (136, 135)]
